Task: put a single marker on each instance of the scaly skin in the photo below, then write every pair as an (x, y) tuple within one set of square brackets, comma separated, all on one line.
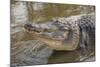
[(64, 33)]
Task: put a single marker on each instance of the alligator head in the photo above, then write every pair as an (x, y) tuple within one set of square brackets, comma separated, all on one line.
[(57, 35)]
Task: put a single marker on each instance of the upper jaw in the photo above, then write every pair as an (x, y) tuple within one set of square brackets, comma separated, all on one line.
[(40, 28), (32, 28), (46, 30)]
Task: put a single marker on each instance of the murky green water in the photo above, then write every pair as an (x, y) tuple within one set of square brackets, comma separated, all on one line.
[(41, 12)]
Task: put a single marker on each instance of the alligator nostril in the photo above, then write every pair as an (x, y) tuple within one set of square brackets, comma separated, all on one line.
[(28, 27)]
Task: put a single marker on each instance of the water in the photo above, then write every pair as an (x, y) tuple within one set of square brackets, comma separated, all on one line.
[(25, 50)]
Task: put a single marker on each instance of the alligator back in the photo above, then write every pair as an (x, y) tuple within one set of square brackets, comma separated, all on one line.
[(82, 26)]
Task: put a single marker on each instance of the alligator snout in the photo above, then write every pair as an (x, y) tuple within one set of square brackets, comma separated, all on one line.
[(31, 28), (28, 27), (40, 28)]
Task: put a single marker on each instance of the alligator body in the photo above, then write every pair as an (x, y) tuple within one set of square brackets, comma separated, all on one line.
[(66, 34)]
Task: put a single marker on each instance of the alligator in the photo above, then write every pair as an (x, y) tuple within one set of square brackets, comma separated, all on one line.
[(66, 33)]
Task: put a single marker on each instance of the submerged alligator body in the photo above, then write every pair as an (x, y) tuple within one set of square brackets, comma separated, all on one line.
[(66, 34)]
